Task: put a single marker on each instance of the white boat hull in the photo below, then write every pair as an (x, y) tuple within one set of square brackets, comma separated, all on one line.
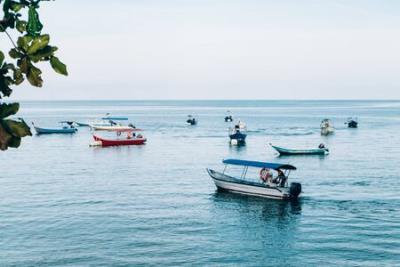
[(327, 130), (111, 128), (260, 191)]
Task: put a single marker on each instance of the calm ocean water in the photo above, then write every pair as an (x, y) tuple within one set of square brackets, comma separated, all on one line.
[(64, 203)]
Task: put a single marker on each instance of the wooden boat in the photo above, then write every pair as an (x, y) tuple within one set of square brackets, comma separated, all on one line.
[(327, 127), (191, 120), (267, 185), (131, 138), (352, 123), (321, 150), (237, 134), (67, 128)]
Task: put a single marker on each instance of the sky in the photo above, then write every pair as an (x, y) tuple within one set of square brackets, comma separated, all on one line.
[(222, 49)]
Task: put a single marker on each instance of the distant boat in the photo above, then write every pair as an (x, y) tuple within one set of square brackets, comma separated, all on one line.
[(119, 142), (113, 128), (228, 117), (266, 185), (237, 134), (114, 118), (352, 123), (321, 150), (131, 138), (95, 123), (191, 120), (82, 124), (327, 127), (67, 128)]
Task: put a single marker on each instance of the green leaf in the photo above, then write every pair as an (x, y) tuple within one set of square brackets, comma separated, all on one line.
[(58, 66), (38, 43), (34, 26), (1, 58), (8, 109), (14, 53), (24, 65), (16, 7), (16, 128), (34, 76), (18, 77), (43, 54), (23, 42), (21, 25)]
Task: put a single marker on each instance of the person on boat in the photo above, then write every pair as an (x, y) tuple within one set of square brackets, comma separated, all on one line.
[(321, 146), (280, 179), (129, 135), (265, 175)]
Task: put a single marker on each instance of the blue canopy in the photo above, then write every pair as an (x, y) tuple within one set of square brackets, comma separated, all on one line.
[(259, 164)]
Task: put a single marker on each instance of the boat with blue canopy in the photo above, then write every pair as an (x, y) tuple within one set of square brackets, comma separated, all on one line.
[(256, 178), (66, 128)]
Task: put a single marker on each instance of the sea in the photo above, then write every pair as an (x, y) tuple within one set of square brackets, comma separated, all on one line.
[(64, 203)]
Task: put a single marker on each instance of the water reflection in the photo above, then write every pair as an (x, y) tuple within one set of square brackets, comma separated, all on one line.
[(262, 207)]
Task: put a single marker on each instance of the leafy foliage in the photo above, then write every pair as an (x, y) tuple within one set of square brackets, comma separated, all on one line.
[(31, 48)]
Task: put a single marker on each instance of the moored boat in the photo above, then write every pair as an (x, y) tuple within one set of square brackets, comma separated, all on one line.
[(237, 134), (131, 138), (267, 185), (352, 123), (67, 128), (321, 150), (191, 120), (114, 118), (327, 127), (228, 117)]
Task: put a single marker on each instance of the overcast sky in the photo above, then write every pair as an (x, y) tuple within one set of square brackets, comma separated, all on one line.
[(222, 49)]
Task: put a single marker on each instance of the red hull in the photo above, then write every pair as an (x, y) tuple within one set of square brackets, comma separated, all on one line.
[(126, 142)]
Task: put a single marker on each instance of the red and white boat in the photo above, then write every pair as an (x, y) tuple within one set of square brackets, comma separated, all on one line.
[(130, 139)]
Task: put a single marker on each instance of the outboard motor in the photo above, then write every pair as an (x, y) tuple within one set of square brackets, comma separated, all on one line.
[(295, 190)]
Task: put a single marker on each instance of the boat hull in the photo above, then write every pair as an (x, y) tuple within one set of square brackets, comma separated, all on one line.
[(55, 131), (124, 142), (287, 152), (234, 185), (352, 124), (327, 131), (111, 128), (115, 118), (239, 137), (82, 124)]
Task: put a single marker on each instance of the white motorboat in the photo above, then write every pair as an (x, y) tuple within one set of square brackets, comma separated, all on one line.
[(327, 127), (267, 185)]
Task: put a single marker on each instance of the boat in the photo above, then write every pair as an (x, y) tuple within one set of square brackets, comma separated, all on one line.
[(321, 150), (352, 122), (113, 128), (191, 120), (267, 185), (82, 124), (67, 128), (114, 118), (131, 139), (327, 127), (237, 134), (228, 117), (95, 123)]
